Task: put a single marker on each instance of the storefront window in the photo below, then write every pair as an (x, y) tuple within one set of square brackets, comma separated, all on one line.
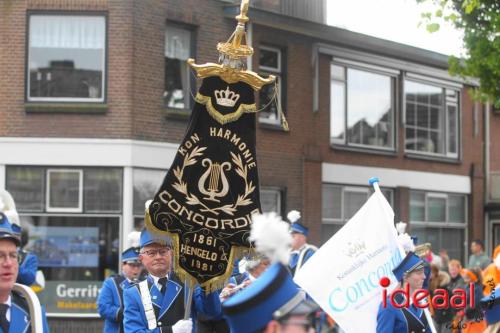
[(26, 184), (75, 254)]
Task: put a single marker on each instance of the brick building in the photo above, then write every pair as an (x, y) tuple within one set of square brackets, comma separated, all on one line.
[(95, 97)]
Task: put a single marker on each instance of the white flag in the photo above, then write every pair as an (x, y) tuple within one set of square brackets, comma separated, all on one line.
[(343, 275)]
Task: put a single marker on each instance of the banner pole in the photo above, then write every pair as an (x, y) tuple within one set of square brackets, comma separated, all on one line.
[(374, 182), (189, 300)]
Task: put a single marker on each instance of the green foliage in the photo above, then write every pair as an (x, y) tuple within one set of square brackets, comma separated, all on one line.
[(480, 21)]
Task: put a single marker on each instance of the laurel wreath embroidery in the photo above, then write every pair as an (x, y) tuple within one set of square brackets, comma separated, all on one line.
[(192, 200)]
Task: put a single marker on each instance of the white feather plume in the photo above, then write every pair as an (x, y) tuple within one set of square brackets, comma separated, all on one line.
[(271, 237), (8, 207), (497, 261), (133, 239), (401, 227), (406, 242), (293, 216)]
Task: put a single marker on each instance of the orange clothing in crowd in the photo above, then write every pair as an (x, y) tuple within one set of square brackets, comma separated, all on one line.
[(491, 274)]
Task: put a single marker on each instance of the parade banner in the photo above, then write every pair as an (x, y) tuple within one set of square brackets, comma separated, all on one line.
[(343, 275), (210, 192)]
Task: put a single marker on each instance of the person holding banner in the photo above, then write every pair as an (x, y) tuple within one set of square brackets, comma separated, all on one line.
[(157, 304), (15, 314), (110, 300), (395, 316)]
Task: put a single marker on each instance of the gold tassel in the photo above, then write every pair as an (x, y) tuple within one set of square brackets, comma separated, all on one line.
[(277, 96)]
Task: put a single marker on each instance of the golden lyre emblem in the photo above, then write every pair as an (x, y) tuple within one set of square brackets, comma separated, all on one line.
[(213, 182)]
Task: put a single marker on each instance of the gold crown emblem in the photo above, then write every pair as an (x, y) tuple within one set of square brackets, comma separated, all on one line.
[(226, 97), (355, 248)]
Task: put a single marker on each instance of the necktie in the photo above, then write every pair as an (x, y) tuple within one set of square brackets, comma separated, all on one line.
[(163, 283), (4, 323), (294, 259)]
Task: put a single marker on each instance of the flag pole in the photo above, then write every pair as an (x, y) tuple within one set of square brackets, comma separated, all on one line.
[(189, 299), (374, 182)]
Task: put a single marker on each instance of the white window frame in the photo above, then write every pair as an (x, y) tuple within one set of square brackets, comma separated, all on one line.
[(78, 209), (349, 188), (445, 223), (391, 73), (278, 192), (448, 101), (188, 89), (279, 76), (68, 99)]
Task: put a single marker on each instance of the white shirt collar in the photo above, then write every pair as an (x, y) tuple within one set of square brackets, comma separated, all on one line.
[(155, 280)]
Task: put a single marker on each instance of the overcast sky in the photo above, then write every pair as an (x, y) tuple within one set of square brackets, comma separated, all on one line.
[(395, 20)]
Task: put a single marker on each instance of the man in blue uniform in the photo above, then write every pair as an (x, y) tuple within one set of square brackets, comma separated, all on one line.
[(411, 319), (301, 250), (28, 261), (28, 265), (156, 304), (14, 309), (110, 301)]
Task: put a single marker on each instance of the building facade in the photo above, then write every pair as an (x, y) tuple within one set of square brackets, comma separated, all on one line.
[(95, 96)]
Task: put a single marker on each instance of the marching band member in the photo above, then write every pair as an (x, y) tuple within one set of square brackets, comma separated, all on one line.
[(412, 319), (254, 268), (110, 300), (14, 308), (28, 261), (301, 251), (156, 304), (273, 302)]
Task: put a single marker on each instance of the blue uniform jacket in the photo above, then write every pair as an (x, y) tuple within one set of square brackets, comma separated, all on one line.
[(27, 270), (393, 320), (20, 321), (308, 250), (110, 303), (169, 308)]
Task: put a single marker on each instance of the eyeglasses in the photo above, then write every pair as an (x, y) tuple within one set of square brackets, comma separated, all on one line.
[(153, 253), (13, 256)]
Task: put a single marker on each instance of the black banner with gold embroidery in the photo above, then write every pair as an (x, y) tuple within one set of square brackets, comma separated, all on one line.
[(211, 190)]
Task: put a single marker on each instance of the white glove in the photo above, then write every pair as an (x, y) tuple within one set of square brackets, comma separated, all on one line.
[(183, 326)]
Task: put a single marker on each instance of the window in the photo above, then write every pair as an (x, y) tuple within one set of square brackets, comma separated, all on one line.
[(362, 104), (75, 253), (83, 190), (270, 200), (178, 48), (146, 183), (440, 219), (64, 190), (340, 203), (271, 63), (431, 119), (66, 58)]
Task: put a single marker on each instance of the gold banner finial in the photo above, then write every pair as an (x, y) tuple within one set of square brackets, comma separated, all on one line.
[(233, 54), (235, 47)]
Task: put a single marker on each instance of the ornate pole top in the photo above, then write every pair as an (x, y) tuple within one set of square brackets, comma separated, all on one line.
[(235, 47)]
